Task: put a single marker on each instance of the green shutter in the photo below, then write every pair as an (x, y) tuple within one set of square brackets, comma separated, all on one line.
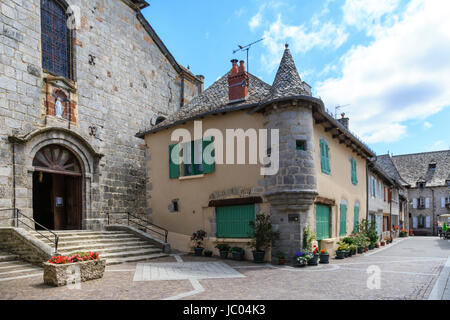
[(234, 221), (208, 168), (322, 222), (324, 157), (354, 175), (174, 169), (343, 220), (356, 219)]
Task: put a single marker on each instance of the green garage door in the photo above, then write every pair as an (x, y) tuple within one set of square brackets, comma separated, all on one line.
[(322, 222), (233, 221)]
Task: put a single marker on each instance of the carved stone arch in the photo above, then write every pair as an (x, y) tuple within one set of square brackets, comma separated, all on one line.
[(26, 148)]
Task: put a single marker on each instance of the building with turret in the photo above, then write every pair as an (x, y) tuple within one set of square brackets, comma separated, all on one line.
[(320, 179)]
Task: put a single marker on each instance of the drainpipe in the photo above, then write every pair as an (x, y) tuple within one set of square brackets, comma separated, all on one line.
[(367, 190), (433, 210), (14, 176), (390, 215)]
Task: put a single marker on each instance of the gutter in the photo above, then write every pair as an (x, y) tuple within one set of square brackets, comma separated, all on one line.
[(201, 115)]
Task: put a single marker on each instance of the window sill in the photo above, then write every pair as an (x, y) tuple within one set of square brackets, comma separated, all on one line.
[(198, 176), (241, 240)]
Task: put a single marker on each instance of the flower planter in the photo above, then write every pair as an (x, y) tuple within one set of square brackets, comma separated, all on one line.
[(58, 274), (224, 254), (360, 249), (198, 251), (281, 261), (365, 249), (371, 246), (340, 254), (299, 264), (258, 256), (208, 253), (314, 261), (353, 252), (382, 243), (349, 253), (346, 253), (324, 258), (237, 255)]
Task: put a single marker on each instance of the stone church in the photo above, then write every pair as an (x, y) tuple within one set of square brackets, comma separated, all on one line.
[(78, 79)]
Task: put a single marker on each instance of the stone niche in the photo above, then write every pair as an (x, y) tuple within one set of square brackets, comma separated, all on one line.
[(60, 100)]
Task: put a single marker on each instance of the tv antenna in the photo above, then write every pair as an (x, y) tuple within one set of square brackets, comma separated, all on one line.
[(337, 108), (246, 48)]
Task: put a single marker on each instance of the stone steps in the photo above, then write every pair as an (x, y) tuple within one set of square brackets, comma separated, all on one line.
[(114, 246), (11, 268)]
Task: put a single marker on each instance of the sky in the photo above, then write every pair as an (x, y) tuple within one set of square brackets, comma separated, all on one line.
[(385, 62)]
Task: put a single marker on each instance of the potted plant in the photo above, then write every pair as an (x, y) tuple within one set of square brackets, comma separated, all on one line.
[(324, 256), (281, 258), (382, 243), (314, 261), (88, 265), (197, 237), (237, 253), (353, 249), (263, 236), (224, 248), (208, 253), (403, 233), (341, 250), (372, 245), (301, 258)]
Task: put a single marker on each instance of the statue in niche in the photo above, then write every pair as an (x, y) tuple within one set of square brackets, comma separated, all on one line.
[(59, 109)]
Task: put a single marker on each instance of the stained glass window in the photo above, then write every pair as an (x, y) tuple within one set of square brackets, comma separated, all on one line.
[(56, 39)]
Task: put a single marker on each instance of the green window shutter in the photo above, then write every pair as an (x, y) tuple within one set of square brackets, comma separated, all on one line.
[(354, 176), (234, 221), (356, 219), (324, 157), (343, 220), (208, 168), (322, 222), (174, 169)]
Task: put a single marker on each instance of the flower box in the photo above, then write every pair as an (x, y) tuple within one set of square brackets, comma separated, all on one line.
[(58, 274)]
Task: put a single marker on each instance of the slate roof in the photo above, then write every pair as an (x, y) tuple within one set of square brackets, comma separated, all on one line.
[(215, 99), (415, 167), (287, 80), (385, 163)]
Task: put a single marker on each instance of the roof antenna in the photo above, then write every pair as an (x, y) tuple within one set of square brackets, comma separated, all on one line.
[(336, 108), (247, 47)]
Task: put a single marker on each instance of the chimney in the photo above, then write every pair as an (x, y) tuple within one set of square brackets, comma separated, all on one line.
[(238, 81), (343, 120)]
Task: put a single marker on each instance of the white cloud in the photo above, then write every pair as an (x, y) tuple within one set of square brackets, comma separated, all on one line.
[(239, 12), (402, 75), (427, 125), (367, 14), (301, 39), (255, 21), (438, 146)]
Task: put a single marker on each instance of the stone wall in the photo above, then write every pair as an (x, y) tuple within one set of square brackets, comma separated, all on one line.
[(292, 190), (22, 243), (122, 79), (435, 207)]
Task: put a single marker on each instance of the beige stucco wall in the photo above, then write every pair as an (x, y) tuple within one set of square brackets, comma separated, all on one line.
[(338, 185), (227, 181)]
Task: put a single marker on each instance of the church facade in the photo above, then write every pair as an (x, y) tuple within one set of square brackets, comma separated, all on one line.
[(78, 79)]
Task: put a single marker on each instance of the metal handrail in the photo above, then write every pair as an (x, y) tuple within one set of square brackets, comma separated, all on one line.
[(17, 220), (163, 233)]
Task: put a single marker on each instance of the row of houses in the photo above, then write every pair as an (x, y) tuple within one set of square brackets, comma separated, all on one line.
[(87, 125)]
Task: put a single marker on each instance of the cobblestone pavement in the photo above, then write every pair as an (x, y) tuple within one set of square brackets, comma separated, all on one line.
[(409, 270)]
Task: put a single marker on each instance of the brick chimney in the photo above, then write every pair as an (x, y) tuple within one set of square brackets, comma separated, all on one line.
[(238, 80), (344, 121)]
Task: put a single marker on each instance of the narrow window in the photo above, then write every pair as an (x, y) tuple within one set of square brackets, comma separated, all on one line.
[(300, 145), (56, 39), (324, 156)]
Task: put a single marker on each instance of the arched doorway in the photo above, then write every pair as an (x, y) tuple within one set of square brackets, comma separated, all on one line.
[(57, 200)]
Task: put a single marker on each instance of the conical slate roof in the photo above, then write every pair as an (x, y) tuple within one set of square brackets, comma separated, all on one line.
[(287, 81)]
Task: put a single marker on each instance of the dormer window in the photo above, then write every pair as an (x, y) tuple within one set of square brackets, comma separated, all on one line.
[(421, 185)]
